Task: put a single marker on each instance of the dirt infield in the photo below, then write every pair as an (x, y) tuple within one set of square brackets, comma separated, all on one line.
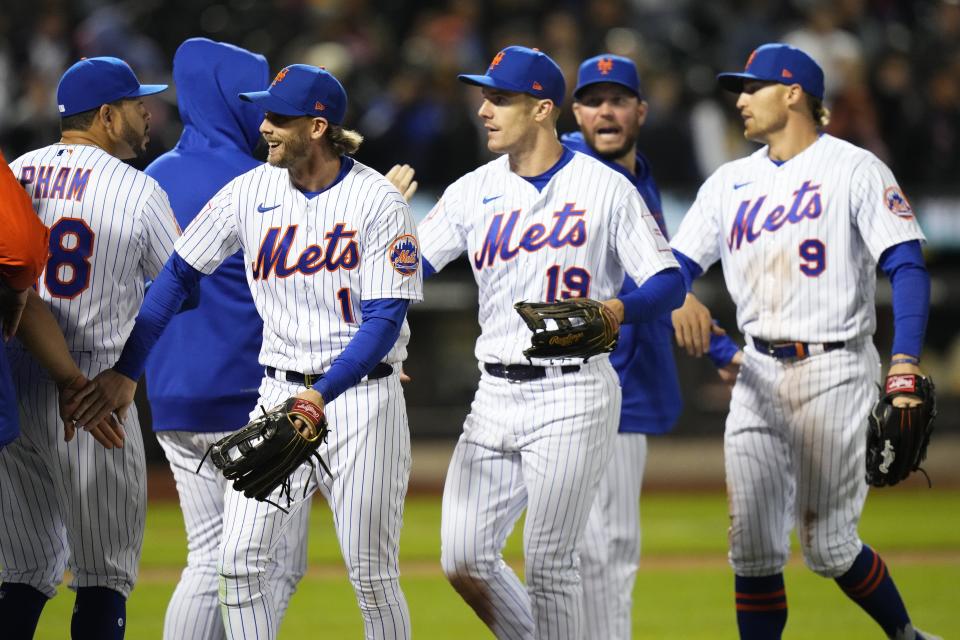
[(673, 464)]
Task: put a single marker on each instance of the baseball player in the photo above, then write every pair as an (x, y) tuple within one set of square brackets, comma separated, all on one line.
[(111, 228), (800, 227), (540, 223), (332, 261), (202, 377), (610, 111)]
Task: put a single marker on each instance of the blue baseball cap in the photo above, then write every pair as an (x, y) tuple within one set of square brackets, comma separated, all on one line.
[(608, 68), (523, 70), (781, 63), (303, 90), (92, 82)]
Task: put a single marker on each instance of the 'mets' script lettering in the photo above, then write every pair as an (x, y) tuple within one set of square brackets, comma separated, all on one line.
[(340, 251), (748, 223), (568, 228)]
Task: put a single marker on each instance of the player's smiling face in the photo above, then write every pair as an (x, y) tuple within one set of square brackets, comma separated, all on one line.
[(287, 138), (508, 118), (764, 109), (610, 117)]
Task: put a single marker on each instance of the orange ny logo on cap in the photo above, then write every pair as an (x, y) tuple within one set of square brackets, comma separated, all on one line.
[(496, 60), (604, 66), (280, 76)]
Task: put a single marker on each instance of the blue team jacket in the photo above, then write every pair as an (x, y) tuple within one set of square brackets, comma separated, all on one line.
[(203, 374), (644, 355)]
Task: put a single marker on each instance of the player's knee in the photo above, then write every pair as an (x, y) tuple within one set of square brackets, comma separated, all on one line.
[(830, 559), (377, 593)]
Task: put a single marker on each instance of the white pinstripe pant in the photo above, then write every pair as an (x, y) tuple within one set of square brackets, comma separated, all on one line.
[(610, 551), (368, 452), (68, 504), (539, 445), (794, 452), (194, 609)]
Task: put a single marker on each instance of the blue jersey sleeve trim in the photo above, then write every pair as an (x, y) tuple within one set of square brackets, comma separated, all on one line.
[(910, 281), (721, 350), (661, 293), (688, 268), (379, 330), (176, 282)]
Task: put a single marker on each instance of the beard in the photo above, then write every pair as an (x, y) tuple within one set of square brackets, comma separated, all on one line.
[(294, 148), (136, 140)]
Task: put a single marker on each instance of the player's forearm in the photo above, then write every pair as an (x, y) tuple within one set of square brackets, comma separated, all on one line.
[(40, 333), (910, 282), (382, 320), (175, 283), (661, 293)]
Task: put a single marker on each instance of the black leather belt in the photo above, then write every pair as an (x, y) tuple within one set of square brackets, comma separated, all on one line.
[(791, 350), (381, 370), (523, 372)]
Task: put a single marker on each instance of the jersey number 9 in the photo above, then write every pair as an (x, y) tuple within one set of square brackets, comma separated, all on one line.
[(68, 270), (814, 256)]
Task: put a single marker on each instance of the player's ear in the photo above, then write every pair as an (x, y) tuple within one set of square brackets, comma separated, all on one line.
[(318, 127), (544, 109), (576, 113), (641, 112)]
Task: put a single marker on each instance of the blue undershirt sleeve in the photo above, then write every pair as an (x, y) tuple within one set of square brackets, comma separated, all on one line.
[(428, 269), (379, 330), (661, 293), (910, 281), (721, 350), (688, 268), (175, 283)]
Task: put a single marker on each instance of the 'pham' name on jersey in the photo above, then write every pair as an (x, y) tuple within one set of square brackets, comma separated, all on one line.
[(273, 258), (802, 207), (63, 187), (535, 237)]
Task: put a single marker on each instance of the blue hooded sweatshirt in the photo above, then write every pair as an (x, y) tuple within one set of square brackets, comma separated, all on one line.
[(203, 374), (644, 354)]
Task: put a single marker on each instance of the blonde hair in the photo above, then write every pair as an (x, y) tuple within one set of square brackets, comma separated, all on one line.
[(820, 114), (343, 141)]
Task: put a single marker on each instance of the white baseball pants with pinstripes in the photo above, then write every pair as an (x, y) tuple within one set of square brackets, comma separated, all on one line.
[(368, 452), (68, 504), (794, 452), (194, 608), (610, 551), (540, 445)]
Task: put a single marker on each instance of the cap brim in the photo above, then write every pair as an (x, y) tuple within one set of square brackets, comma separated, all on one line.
[(734, 81), (487, 81), (149, 90), (268, 102), (576, 92)]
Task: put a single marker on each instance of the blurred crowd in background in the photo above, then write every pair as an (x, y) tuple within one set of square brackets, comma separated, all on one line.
[(892, 82), (892, 68)]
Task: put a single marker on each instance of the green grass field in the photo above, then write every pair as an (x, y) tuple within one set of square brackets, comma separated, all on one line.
[(684, 588)]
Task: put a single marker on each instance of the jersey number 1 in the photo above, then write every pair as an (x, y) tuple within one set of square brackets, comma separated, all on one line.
[(68, 270)]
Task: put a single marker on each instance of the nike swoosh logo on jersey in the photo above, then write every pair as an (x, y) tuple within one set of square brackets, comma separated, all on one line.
[(263, 209), (492, 198), (742, 184)]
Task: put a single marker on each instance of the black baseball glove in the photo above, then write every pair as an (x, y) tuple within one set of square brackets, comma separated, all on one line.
[(261, 456), (897, 437), (572, 328)]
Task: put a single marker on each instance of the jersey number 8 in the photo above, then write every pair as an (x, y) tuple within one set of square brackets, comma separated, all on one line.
[(68, 270)]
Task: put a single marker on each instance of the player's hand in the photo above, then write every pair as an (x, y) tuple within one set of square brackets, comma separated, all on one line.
[(728, 374), (12, 303), (115, 395), (614, 311), (902, 368), (74, 392), (693, 325), (404, 378), (401, 176), (307, 430)]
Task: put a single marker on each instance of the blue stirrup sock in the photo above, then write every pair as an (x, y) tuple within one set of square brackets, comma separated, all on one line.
[(761, 607), (99, 614), (20, 608), (868, 583)]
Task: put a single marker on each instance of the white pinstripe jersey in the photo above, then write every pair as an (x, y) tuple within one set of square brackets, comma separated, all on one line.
[(111, 228), (799, 242), (310, 261), (573, 239)]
